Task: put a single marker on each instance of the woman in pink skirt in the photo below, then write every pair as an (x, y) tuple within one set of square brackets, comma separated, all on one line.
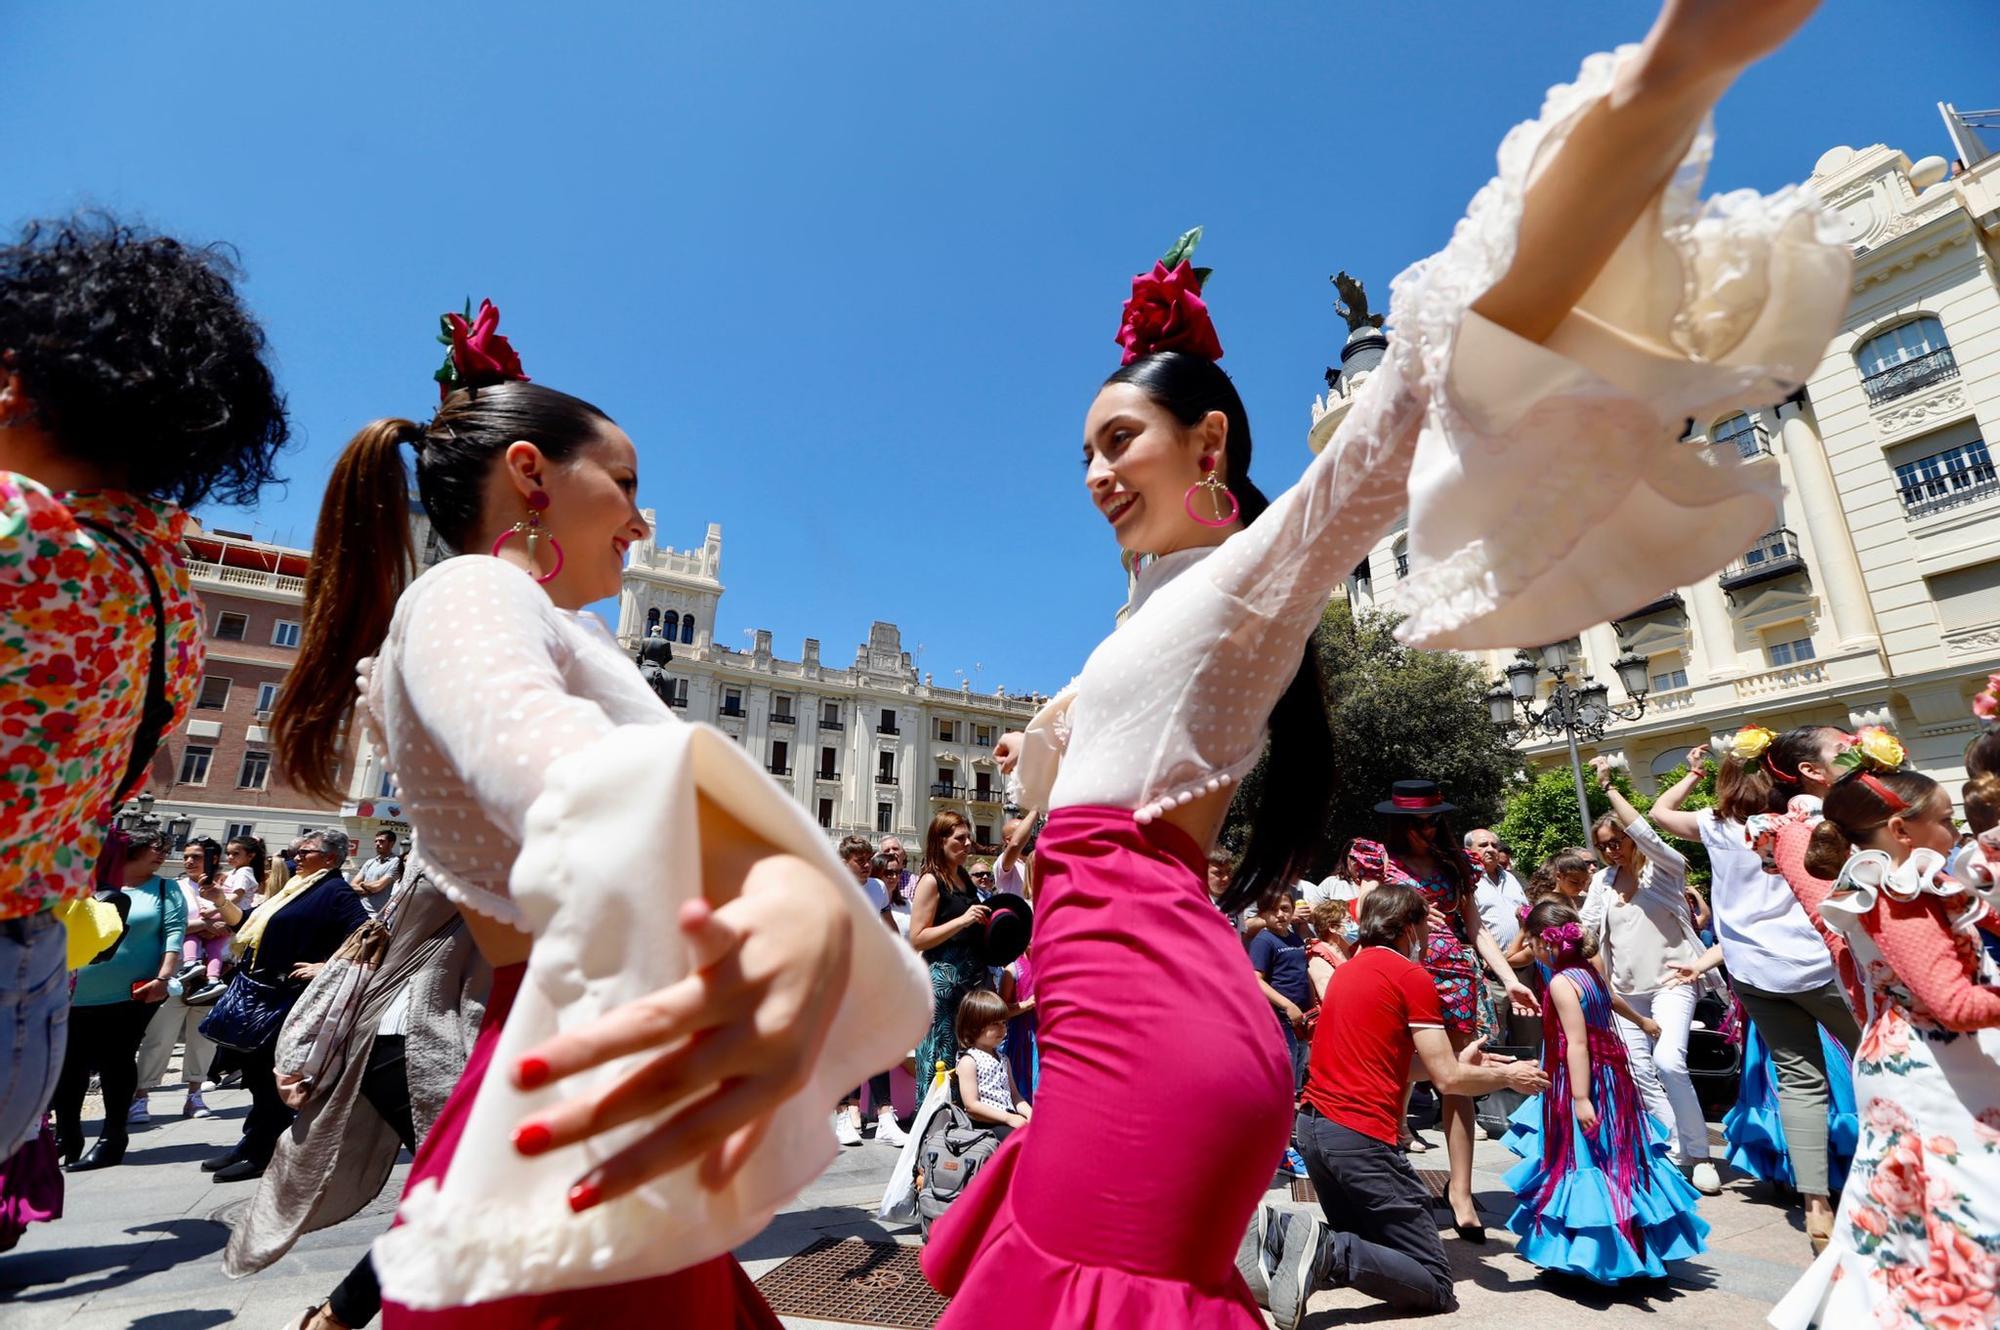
[(1569, 322)]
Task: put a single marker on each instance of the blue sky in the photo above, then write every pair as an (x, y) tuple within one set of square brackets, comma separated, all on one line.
[(849, 273)]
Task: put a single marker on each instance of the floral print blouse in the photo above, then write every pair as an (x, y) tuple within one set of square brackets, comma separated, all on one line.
[(76, 642)]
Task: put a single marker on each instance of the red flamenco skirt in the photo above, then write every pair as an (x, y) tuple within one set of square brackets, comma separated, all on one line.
[(715, 1295), (1163, 1110)]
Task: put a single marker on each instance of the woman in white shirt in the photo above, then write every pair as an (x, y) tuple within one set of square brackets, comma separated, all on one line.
[(1778, 962), (1637, 909), (1572, 315), (684, 975)]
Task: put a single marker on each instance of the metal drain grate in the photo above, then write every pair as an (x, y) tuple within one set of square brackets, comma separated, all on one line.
[(855, 1280), (1302, 1190), (1436, 1181)]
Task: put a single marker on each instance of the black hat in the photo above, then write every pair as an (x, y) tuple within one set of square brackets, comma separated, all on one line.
[(1414, 798), (1004, 937)]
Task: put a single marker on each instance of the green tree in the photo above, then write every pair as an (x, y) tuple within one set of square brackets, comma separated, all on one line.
[(1541, 821), (1395, 713)]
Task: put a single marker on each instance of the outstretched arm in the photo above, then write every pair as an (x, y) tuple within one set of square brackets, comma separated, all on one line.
[(1620, 154), (1667, 814)]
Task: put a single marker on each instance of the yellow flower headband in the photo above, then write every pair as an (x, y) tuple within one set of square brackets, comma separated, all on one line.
[(1873, 747), (1750, 743)]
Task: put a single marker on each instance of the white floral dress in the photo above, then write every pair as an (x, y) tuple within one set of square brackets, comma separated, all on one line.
[(1916, 1245)]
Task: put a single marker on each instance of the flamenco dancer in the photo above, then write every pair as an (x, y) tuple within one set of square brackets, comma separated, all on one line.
[(1916, 1241), (684, 975), (1569, 317), (1599, 1196)]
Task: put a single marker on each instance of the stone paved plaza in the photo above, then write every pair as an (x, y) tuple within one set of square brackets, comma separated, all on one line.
[(139, 1249)]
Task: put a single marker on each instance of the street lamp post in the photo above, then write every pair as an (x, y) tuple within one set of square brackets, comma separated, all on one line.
[(1577, 708), (138, 815)]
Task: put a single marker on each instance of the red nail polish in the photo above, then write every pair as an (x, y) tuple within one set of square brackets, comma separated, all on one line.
[(531, 1138), (582, 1196), (531, 1073)]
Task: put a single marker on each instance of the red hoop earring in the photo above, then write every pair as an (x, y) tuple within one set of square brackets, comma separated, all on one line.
[(1211, 485), (531, 531)]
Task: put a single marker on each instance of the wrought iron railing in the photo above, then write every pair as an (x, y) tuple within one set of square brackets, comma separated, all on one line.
[(1951, 484), (1920, 372), (1773, 556)]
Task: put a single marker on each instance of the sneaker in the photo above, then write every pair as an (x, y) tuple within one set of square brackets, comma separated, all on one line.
[(1705, 1179), (1295, 1275), (140, 1114), (889, 1131), (847, 1126), (1251, 1261), (196, 1106), (1295, 1163)]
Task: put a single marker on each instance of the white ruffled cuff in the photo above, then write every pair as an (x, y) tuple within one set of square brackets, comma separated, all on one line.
[(1704, 306)]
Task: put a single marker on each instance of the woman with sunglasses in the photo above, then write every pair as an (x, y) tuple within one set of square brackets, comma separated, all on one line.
[(1420, 851)]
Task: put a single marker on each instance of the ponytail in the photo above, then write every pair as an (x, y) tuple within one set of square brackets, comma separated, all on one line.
[(362, 559)]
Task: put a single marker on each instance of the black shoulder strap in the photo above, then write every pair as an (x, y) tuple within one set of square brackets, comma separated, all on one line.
[(158, 713)]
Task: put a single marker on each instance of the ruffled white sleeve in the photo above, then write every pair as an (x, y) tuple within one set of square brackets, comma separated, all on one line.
[(1705, 306)]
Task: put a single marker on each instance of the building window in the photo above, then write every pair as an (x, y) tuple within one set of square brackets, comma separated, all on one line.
[(1741, 433), (884, 814), (1668, 680), (947, 731), (781, 758), (194, 764), (781, 707), (256, 773), (885, 768), (231, 627), (238, 831), (673, 622), (826, 766), (982, 833), (1790, 652), (1401, 550), (1948, 478), (214, 692), (982, 736), (652, 623), (829, 717), (732, 701), (387, 788), (826, 813), (1905, 358), (284, 633), (687, 630), (888, 725), (267, 697)]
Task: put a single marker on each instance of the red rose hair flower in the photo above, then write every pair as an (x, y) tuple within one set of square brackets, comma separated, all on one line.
[(1166, 311), (479, 355)]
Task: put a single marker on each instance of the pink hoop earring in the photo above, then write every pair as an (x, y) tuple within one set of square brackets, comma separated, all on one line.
[(531, 531), (1211, 485)]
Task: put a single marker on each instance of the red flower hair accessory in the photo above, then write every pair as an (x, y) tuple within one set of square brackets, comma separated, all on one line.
[(479, 355), (1166, 311)]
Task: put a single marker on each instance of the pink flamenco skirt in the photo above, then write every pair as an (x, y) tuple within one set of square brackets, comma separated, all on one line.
[(1163, 1110), (715, 1295)]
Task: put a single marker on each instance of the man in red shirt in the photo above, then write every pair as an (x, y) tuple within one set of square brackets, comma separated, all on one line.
[(1380, 1012)]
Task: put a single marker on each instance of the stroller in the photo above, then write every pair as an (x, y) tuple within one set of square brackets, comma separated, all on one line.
[(950, 1153)]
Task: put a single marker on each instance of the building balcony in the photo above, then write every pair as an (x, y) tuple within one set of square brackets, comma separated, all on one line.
[(832, 777), (200, 570), (1750, 441), (678, 701), (1776, 555), (830, 723), (1671, 601), (882, 778), (1785, 679), (1950, 479), (783, 718), (1402, 565), (736, 711), (944, 790), (987, 796), (1901, 380), (779, 771), (888, 729)]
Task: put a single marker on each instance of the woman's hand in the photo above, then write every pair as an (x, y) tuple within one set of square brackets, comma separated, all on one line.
[(1586, 1113), (1440, 922), (1007, 752), (307, 970), (1601, 764), (1523, 999), (213, 891), (153, 990), (973, 917), (1651, 1027), (1696, 42), (1682, 972), (741, 1034), (1696, 756)]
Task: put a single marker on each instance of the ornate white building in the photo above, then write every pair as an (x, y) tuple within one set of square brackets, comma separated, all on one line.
[(869, 748), (1876, 598)]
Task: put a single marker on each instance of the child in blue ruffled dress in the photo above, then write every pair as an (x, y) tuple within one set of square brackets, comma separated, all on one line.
[(1599, 1197)]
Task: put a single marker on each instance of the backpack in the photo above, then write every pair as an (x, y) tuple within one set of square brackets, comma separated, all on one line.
[(953, 1150)]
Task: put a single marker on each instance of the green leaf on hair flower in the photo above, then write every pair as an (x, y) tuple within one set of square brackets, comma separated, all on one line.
[(1201, 276), (1182, 249)]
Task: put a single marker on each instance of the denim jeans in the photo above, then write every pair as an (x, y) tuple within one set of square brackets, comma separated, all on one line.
[(1384, 1242), (34, 1022)]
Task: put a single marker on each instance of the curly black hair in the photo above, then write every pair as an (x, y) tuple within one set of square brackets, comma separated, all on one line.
[(140, 357)]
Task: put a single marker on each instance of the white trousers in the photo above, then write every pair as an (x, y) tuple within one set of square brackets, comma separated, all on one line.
[(175, 1022), (1661, 1069)]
